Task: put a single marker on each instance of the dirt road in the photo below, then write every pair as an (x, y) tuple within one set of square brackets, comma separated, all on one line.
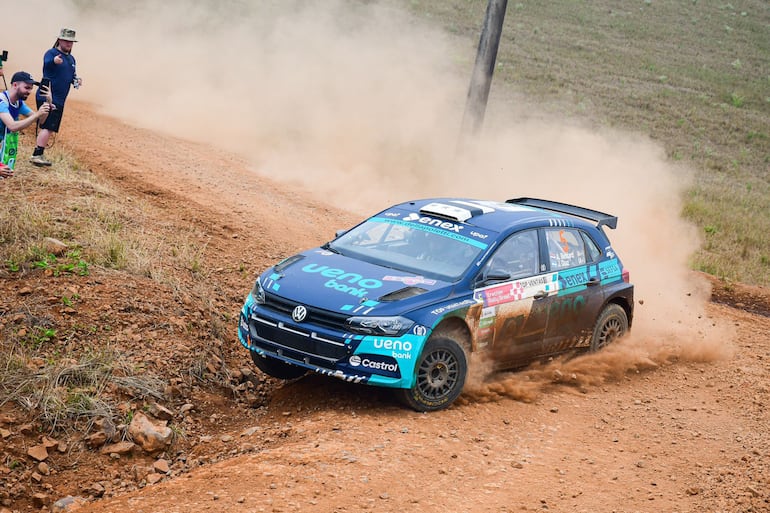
[(646, 427)]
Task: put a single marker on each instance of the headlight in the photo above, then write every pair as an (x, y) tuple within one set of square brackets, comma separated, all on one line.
[(258, 293), (390, 326)]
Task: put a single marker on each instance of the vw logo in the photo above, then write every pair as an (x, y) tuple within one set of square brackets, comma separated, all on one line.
[(299, 313)]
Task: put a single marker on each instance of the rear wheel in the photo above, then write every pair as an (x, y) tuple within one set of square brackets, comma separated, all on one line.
[(441, 372), (277, 368), (611, 325)]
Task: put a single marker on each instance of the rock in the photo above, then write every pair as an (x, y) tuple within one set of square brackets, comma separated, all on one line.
[(159, 412), (4, 433), (43, 468), (161, 466), (68, 503), (40, 500), (154, 478), (107, 426), (97, 439), (105, 432), (250, 431), (152, 437), (96, 489), (54, 246), (38, 452), (49, 443), (121, 448), (186, 408)]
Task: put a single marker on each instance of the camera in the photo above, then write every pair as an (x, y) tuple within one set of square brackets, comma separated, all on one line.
[(45, 82), (3, 57), (76, 82)]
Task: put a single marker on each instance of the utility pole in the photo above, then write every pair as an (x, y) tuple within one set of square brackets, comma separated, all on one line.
[(481, 81)]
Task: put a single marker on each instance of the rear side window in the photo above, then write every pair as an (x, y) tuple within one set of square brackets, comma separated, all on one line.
[(566, 248), (592, 251)]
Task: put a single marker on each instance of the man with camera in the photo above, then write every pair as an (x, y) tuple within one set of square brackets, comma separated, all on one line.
[(11, 107), (59, 69)]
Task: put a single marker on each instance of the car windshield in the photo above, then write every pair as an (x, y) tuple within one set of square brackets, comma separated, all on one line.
[(410, 247)]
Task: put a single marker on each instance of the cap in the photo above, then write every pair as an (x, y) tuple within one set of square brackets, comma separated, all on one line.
[(67, 35), (23, 76)]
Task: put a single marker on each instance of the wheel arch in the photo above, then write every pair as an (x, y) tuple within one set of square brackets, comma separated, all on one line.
[(457, 329), (625, 305)]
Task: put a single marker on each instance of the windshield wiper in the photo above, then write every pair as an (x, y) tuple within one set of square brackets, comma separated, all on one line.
[(328, 247)]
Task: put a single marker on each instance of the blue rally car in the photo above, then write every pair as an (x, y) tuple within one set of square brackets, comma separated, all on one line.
[(403, 299)]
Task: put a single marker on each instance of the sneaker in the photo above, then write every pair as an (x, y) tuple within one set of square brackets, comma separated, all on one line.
[(40, 160)]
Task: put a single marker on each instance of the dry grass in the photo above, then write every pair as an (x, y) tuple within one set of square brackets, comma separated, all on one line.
[(105, 228), (68, 393)]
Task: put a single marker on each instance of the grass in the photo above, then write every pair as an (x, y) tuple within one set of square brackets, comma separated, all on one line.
[(695, 75), (67, 393), (98, 226)]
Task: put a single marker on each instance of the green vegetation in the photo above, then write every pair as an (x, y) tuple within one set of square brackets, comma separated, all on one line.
[(695, 75)]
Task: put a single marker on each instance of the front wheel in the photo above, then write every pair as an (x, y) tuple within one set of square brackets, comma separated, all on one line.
[(441, 372), (611, 324), (277, 368)]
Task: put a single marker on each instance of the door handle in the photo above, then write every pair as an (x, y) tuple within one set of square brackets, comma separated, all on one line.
[(593, 280), (541, 295)]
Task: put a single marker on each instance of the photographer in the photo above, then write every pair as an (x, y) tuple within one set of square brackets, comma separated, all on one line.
[(11, 107), (59, 68)]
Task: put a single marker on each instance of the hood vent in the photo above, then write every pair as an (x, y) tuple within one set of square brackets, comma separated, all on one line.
[(400, 294)]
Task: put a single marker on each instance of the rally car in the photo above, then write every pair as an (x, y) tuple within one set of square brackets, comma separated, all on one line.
[(402, 299)]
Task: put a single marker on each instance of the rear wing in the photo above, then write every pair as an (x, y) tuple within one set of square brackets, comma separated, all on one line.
[(600, 218)]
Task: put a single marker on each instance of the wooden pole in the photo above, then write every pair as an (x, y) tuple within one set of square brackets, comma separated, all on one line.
[(481, 80)]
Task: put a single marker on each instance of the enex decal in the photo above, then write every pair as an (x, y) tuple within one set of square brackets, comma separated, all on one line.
[(340, 279), (446, 225)]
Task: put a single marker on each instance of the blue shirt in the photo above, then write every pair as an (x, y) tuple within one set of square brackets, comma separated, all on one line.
[(13, 109), (61, 75)]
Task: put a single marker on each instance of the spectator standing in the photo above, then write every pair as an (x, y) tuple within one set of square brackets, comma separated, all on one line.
[(11, 107), (59, 68)]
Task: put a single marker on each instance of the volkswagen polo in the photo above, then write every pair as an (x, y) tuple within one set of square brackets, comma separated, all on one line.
[(403, 299)]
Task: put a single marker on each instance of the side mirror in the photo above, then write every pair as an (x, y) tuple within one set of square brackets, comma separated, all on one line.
[(495, 275)]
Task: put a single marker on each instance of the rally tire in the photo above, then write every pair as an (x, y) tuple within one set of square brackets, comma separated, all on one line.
[(277, 368), (611, 324), (440, 376)]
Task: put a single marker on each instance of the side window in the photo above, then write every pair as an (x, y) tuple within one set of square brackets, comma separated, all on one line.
[(517, 255), (565, 248), (592, 251)]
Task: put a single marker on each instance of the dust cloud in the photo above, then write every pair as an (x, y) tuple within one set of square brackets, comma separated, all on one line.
[(362, 103)]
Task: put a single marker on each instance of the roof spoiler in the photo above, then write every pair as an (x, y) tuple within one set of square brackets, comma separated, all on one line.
[(600, 218)]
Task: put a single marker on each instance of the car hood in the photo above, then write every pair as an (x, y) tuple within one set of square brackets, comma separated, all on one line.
[(331, 281)]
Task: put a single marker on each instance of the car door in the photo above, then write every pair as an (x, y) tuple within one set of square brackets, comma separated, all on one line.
[(573, 262), (516, 296)]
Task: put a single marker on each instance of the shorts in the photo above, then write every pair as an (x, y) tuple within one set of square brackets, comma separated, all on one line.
[(53, 120)]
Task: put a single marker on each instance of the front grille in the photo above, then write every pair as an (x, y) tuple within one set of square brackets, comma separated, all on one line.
[(331, 320), (277, 336)]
